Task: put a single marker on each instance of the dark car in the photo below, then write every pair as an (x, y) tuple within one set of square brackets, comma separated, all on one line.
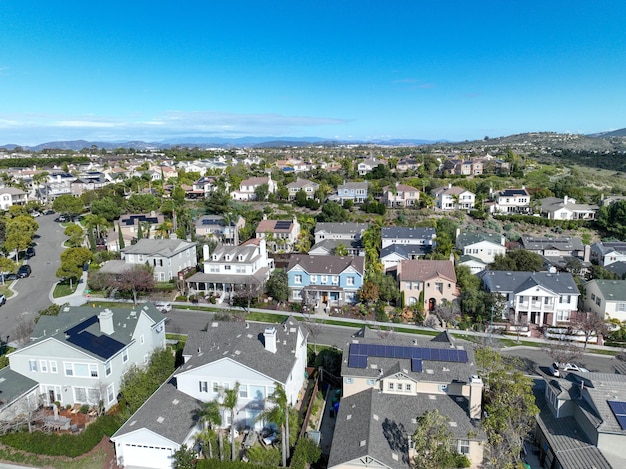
[(3, 300), (48, 212), (8, 277), (24, 271), (30, 252)]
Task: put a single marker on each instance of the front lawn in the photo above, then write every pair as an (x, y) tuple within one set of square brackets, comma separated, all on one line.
[(63, 289)]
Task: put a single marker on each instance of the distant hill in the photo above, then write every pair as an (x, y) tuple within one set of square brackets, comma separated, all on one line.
[(613, 133)]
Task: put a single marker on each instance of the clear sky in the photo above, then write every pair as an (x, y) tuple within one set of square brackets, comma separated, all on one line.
[(426, 69)]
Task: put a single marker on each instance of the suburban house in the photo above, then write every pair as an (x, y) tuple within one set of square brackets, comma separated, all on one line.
[(606, 298), (308, 187), (511, 202), (80, 356), (10, 196), (388, 384), (353, 191), (20, 397), (325, 280), (453, 198), (341, 231), (608, 252), (407, 164), (474, 264), (58, 184), (567, 209), (166, 257), (537, 298), (401, 243), (583, 421), (232, 270), (400, 196), (202, 188), (131, 224), (89, 182), (256, 356), (280, 235), (218, 226), (366, 166), (428, 282), (557, 251), (481, 245), (248, 187), (328, 247)]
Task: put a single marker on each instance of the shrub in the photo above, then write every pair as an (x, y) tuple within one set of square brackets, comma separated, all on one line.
[(306, 452)]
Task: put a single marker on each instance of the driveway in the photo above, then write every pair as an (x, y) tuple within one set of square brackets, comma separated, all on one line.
[(33, 293)]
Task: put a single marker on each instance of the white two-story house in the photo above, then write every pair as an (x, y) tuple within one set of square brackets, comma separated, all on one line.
[(453, 198)]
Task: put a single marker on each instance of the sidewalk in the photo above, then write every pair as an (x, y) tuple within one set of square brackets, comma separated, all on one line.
[(75, 299)]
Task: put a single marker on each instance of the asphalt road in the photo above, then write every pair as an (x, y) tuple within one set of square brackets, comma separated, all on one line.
[(33, 293), (534, 361)]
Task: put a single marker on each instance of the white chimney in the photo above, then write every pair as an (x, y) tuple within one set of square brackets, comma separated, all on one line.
[(565, 200), (205, 252), (475, 397), (106, 322), (270, 339)]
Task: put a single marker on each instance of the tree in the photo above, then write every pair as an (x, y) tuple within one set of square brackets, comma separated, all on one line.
[(612, 218), (19, 233), (332, 212), (184, 458), (447, 312), (301, 198), (231, 397), (142, 203), (218, 202), (261, 192), (519, 260), (369, 292), (564, 352), (68, 205), (75, 234), (6, 266), (277, 286), (434, 442), (211, 417), (72, 262), (135, 280), (510, 409), (107, 208), (589, 324), (278, 414), (340, 250)]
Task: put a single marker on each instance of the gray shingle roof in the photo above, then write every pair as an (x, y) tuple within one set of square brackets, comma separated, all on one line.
[(13, 385), (403, 232), (468, 238), (168, 412), (378, 425), (406, 250), (505, 281), (244, 344), (162, 247), (342, 228), (333, 265), (612, 290), (564, 243), (124, 323)]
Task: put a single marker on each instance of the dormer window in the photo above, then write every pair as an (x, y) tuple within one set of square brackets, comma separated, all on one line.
[(227, 257), (240, 257), (214, 257)]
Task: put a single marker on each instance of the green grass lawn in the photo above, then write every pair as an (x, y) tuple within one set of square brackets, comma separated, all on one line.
[(63, 289)]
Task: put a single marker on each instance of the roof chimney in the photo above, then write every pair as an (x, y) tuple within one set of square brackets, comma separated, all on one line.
[(106, 322), (270, 339), (475, 397)]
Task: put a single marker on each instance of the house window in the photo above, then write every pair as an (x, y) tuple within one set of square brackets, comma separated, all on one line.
[(226, 267), (464, 446), (297, 279), (621, 307), (562, 316), (390, 386), (521, 299), (216, 387), (141, 339), (80, 394), (324, 279), (350, 281), (69, 371), (243, 391), (598, 301), (348, 380), (43, 366), (593, 297), (125, 356), (203, 386), (93, 370), (335, 280), (439, 287), (110, 393), (546, 301), (32, 365), (107, 368), (399, 386), (53, 367), (371, 382), (407, 387), (313, 278)]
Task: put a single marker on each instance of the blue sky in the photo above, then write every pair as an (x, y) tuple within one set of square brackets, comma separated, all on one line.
[(456, 70)]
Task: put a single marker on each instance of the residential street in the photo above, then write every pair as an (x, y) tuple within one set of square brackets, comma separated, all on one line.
[(32, 293)]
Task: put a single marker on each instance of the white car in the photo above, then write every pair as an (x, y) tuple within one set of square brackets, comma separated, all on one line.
[(164, 307), (573, 367)]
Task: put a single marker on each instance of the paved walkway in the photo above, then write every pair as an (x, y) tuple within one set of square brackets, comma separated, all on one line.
[(75, 299)]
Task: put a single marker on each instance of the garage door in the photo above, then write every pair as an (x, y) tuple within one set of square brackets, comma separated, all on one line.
[(144, 456)]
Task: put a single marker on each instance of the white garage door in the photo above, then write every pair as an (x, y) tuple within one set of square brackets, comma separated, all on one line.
[(143, 456)]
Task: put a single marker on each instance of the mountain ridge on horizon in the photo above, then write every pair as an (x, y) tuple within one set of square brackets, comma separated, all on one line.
[(250, 141)]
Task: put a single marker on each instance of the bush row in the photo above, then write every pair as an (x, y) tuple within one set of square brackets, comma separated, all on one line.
[(65, 444), (542, 221), (217, 464)]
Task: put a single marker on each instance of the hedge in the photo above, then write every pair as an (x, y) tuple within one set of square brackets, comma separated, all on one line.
[(65, 444), (217, 464)]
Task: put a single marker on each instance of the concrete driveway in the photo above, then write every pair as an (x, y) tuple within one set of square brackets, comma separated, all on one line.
[(33, 293)]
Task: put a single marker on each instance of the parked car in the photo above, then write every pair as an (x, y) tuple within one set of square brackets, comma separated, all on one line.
[(49, 212), (3, 300), (62, 219), (24, 271), (36, 214), (30, 252), (573, 367), (8, 277), (554, 369), (163, 306)]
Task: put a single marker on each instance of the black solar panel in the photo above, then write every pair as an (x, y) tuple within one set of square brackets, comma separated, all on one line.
[(416, 365), (282, 225), (102, 345), (359, 353), (619, 410)]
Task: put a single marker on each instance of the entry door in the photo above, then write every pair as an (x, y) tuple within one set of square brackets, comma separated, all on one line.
[(51, 396)]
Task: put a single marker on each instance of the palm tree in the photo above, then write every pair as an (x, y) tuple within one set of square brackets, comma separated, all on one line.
[(210, 416), (279, 414), (231, 396)]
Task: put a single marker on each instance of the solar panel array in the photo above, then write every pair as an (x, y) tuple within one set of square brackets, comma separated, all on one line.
[(211, 221), (282, 225), (102, 345), (359, 353), (619, 410)]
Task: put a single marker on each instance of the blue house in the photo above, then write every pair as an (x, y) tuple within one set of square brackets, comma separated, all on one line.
[(325, 280), (354, 191)]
